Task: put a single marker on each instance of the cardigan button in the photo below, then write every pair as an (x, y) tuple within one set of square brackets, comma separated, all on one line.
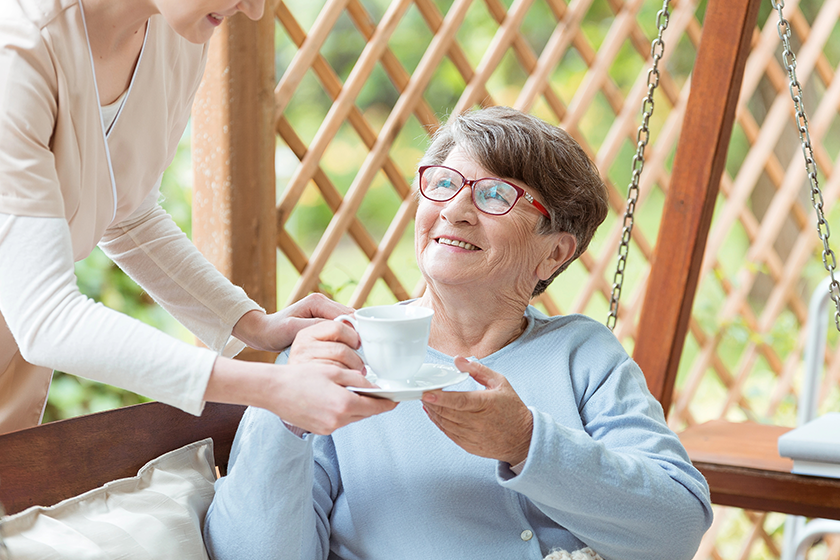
[(526, 535)]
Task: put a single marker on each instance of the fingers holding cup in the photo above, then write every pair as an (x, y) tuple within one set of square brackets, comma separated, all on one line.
[(330, 342)]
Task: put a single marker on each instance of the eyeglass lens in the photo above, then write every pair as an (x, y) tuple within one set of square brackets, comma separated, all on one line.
[(489, 195)]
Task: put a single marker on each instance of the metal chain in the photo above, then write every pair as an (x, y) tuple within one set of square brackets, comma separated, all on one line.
[(657, 49), (789, 59)]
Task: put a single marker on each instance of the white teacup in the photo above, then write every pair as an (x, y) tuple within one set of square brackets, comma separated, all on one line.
[(394, 338)]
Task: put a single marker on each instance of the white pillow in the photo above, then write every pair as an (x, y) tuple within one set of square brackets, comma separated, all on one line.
[(155, 515)]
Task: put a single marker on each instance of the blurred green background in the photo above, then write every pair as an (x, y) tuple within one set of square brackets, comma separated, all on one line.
[(101, 280)]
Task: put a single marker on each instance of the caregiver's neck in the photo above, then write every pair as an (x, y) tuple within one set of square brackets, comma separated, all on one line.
[(116, 30)]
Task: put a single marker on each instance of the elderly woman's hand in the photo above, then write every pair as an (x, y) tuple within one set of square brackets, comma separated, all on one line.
[(276, 331), (492, 423)]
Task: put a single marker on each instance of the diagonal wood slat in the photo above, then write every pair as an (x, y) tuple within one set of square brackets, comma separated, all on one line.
[(333, 199), (342, 105), (504, 38), (566, 31), (308, 49)]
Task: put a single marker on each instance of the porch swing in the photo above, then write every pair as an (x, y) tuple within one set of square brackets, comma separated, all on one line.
[(740, 461)]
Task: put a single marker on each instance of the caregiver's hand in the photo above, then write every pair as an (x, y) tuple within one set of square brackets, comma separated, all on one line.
[(312, 396), (275, 332), (492, 423), (315, 398)]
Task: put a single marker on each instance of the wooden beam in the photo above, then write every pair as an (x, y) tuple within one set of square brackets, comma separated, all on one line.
[(690, 201), (233, 158), (49, 463), (762, 490)]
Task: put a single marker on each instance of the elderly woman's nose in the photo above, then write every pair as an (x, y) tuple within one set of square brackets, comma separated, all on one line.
[(252, 8), (460, 208)]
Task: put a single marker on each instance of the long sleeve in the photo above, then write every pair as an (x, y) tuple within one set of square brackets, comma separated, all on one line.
[(156, 254), (623, 483), (56, 326), (275, 502)]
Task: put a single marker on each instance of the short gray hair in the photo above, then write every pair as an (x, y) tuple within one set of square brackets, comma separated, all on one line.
[(514, 145)]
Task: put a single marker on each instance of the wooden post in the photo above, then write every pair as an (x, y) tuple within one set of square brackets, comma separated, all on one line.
[(698, 166), (233, 158)]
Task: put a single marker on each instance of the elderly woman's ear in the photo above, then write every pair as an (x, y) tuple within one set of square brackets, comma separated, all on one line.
[(563, 250)]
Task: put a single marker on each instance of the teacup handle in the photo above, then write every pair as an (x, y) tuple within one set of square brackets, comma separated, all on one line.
[(347, 319), (352, 320)]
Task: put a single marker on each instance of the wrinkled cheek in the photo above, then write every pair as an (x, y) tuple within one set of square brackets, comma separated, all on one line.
[(422, 226), (421, 244), (525, 258), (515, 267)]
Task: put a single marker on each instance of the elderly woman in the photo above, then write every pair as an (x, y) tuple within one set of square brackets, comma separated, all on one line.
[(553, 442)]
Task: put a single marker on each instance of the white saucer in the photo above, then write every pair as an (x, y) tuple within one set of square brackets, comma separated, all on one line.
[(428, 378)]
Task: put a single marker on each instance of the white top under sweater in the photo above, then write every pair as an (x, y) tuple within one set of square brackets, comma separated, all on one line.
[(56, 326), (111, 110)]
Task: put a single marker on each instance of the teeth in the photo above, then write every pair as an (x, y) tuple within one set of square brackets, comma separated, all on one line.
[(461, 244), (217, 18)]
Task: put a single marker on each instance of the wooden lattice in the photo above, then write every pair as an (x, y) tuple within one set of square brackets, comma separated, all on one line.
[(361, 84), (537, 91)]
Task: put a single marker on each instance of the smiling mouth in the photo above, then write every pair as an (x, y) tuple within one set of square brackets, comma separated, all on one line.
[(217, 17), (454, 243)]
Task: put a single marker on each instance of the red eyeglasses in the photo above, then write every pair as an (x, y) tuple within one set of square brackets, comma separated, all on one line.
[(490, 195)]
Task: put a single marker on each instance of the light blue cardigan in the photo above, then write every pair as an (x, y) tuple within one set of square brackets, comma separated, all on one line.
[(603, 471)]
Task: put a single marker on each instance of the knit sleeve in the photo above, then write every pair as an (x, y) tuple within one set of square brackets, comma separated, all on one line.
[(621, 482), (275, 501)]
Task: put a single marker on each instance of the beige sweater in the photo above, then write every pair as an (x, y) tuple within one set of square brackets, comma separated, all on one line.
[(68, 181)]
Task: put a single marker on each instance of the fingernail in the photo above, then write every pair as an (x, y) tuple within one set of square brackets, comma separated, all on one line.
[(429, 397)]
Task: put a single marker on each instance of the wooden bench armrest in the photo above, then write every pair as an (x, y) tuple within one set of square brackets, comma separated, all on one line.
[(742, 465), (737, 444)]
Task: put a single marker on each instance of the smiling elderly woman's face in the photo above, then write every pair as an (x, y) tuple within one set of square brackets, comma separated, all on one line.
[(458, 246)]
